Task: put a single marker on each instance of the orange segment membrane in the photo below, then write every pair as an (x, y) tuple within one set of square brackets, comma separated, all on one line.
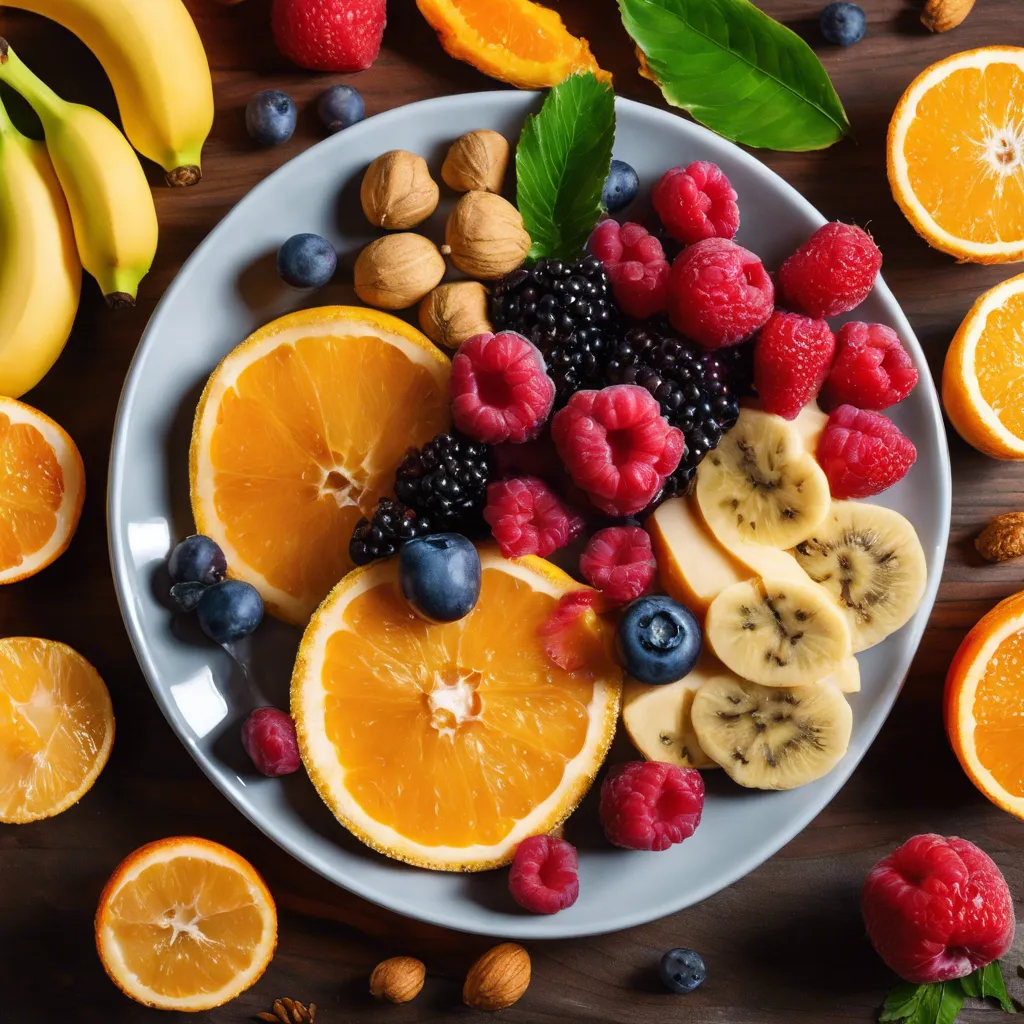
[(999, 715), (999, 363)]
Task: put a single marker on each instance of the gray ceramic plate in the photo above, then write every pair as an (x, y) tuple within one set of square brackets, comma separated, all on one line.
[(226, 290)]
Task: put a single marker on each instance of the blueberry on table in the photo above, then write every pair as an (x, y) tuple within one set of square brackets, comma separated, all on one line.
[(620, 187), (270, 117), (682, 970), (440, 576), (197, 559), (658, 640), (843, 23), (229, 611), (340, 107), (306, 261)]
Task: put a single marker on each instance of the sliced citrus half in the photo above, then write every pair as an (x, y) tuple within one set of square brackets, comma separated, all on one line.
[(42, 488), (56, 728), (298, 433), (956, 154), (515, 41), (185, 924), (984, 705), (445, 745)]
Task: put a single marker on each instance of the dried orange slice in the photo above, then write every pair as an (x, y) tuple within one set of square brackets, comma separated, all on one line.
[(298, 433), (983, 376), (185, 924), (42, 487), (984, 705), (56, 728), (515, 41), (956, 154), (444, 745)]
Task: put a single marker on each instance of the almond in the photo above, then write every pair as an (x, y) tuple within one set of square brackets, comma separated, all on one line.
[(498, 979), (397, 980), (942, 15), (1003, 538)]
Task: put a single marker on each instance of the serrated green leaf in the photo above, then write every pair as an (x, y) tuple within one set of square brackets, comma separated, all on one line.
[(562, 161), (902, 1002), (987, 983), (923, 1004), (737, 71)]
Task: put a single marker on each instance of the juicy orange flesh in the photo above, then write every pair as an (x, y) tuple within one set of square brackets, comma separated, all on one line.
[(452, 733), (965, 153), (186, 926), (31, 491), (306, 441), (999, 715), (54, 717), (512, 25), (999, 363)]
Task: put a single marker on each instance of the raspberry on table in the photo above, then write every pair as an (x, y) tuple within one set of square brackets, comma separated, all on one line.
[(832, 272), (635, 263), (564, 642), (528, 518), (863, 453), (696, 202), (650, 805), (872, 369), (329, 35), (792, 357), (937, 909), (719, 293), (619, 561), (269, 739), (544, 876), (617, 446), (500, 388)]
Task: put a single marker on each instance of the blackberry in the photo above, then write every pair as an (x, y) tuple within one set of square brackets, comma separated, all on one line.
[(379, 537), (567, 311)]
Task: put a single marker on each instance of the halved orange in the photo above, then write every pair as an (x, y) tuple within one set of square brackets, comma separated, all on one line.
[(983, 376), (956, 154), (56, 728), (984, 705), (515, 41), (445, 745), (298, 433), (185, 924), (42, 488)]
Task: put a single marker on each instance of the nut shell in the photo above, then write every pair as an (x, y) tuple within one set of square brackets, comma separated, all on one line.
[(485, 236), (942, 15), (397, 980), (498, 979), (453, 312), (477, 162), (396, 271), (398, 192), (1003, 538)]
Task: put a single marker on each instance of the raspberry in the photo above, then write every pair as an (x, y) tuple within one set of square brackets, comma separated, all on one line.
[(619, 562), (719, 293), (792, 356), (545, 875), (832, 272), (500, 390), (617, 446), (650, 805), (937, 909), (564, 642), (696, 202), (863, 453), (329, 35), (636, 266), (528, 518), (872, 369), (268, 736)]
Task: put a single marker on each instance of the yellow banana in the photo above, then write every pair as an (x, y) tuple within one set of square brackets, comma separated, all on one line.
[(40, 276), (110, 200), (156, 63)]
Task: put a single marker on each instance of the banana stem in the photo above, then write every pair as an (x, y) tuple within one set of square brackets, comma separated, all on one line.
[(39, 95), (5, 121)]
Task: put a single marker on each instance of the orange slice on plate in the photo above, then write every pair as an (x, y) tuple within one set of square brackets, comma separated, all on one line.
[(956, 154), (42, 488), (984, 705), (515, 41), (445, 745), (56, 728), (298, 433), (185, 924), (983, 376)]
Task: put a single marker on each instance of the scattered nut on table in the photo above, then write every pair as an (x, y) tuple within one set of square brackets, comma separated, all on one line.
[(398, 192), (397, 980), (1003, 538), (942, 15), (477, 162), (498, 979)]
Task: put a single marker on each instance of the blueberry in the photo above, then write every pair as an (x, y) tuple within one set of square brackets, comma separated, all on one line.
[(230, 610), (339, 107), (186, 595), (843, 23), (440, 576), (620, 187), (658, 640), (682, 970), (307, 261), (270, 117), (197, 559)]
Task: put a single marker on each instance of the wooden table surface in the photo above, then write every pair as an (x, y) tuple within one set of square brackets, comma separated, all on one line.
[(783, 945)]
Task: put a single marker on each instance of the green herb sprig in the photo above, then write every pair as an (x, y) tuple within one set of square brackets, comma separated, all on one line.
[(940, 1002)]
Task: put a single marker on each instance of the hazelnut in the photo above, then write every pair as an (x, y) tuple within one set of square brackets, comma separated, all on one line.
[(396, 271), (397, 191), (451, 313), (397, 980), (485, 236), (477, 162), (498, 979)]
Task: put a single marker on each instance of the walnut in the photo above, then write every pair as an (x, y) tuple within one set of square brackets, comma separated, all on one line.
[(477, 162), (398, 192), (1003, 538)]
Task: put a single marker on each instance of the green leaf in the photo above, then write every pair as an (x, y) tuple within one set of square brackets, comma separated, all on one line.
[(737, 71), (987, 983), (923, 1004), (562, 161)]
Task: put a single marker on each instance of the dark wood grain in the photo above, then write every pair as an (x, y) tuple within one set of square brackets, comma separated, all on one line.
[(784, 945)]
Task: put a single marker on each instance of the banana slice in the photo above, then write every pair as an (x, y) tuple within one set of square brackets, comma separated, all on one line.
[(810, 425), (772, 737), (871, 562), (760, 485), (778, 632), (845, 678)]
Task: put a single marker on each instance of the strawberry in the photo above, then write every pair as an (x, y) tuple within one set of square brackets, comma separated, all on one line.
[(329, 35)]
